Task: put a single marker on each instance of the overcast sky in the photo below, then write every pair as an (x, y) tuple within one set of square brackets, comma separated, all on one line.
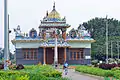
[(28, 13)]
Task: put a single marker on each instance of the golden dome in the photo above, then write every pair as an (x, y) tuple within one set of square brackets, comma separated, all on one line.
[(53, 13)]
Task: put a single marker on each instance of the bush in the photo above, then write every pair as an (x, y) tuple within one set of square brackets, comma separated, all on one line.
[(14, 77), (118, 60), (12, 67), (37, 72), (111, 60), (107, 66), (19, 67), (94, 62), (94, 71), (115, 68), (117, 75), (109, 73), (1, 66)]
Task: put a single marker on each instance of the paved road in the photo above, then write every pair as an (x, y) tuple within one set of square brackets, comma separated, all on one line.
[(79, 76)]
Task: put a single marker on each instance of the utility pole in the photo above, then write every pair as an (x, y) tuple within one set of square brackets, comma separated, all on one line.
[(111, 50), (106, 40), (9, 31), (118, 48), (8, 37), (6, 31)]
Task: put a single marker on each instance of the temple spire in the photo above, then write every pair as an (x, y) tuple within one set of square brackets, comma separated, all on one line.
[(46, 13), (54, 6)]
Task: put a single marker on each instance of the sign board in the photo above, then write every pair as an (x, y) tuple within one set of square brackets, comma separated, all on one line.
[(87, 57)]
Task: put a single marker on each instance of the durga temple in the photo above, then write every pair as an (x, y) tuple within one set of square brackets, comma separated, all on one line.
[(52, 43)]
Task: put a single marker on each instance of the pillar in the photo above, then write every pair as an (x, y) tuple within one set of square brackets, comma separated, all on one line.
[(44, 55), (56, 52), (64, 54)]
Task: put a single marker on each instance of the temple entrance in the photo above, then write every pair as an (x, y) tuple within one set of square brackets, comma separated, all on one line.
[(60, 55), (50, 55)]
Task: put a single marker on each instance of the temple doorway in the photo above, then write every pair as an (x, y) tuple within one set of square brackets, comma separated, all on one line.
[(50, 55)]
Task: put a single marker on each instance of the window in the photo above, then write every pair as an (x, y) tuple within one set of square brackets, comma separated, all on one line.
[(76, 55), (30, 54)]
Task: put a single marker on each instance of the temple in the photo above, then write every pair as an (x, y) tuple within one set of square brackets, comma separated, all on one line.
[(52, 43)]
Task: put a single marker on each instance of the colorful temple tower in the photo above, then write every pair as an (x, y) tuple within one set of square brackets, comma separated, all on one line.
[(52, 42)]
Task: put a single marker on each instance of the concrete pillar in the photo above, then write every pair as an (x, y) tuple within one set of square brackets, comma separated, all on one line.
[(64, 54), (56, 52), (44, 55)]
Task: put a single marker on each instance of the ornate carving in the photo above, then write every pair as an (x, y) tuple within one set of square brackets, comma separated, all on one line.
[(64, 35), (18, 31), (83, 32), (73, 33), (44, 34), (33, 33)]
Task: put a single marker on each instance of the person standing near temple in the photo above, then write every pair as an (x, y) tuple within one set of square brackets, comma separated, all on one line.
[(65, 68)]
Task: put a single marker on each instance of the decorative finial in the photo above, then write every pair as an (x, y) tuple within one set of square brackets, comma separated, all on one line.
[(54, 6), (46, 13)]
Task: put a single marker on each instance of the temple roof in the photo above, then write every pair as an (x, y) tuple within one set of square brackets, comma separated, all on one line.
[(54, 25), (53, 19), (53, 16), (54, 13)]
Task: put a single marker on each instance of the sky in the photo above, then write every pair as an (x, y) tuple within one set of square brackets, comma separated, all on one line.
[(28, 13)]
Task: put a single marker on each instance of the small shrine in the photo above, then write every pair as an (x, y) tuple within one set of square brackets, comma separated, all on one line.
[(52, 43)]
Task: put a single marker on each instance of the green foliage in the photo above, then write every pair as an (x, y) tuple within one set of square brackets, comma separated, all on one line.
[(110, 60), (94, 62), (94, 71), (118, 60), (97, 27), (37, 72), (99, 72), (14, 77)]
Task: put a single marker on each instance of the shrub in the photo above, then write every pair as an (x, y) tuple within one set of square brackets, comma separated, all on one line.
[(14, 77), (26, 77), (107, 66), (118, 65), (115, 68), (114, 73), (12, 67), (94, 71), (94, 62), (109, 73), (118, 60), (19, 67), (111, 60), (37, 77), (37, 72), (1, 66)]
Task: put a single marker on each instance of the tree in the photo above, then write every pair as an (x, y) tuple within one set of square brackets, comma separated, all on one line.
[(97, 27)]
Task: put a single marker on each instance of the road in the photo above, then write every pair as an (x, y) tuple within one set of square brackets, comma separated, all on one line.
[(73, 75)]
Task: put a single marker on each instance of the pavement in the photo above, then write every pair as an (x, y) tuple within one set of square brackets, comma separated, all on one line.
[(73, 75)]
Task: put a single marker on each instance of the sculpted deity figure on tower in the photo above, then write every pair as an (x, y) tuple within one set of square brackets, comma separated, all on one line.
[(18, 31)]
